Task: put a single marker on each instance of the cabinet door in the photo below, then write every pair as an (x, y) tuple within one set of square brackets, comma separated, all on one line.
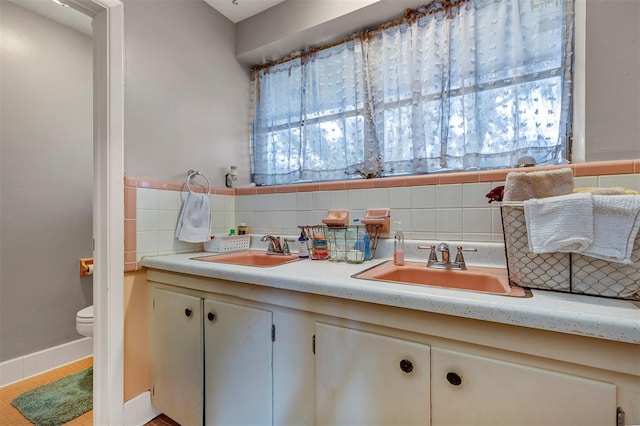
[(364, 378), (238, 364), (469, 389), (176, 356)]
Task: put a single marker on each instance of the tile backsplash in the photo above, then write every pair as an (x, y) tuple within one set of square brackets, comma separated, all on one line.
[(451, 211)]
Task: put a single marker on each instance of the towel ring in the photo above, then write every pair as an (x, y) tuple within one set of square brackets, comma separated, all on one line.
[(193, 173)]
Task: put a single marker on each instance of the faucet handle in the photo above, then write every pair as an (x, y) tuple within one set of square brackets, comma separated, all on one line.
[(433, 257), (285, 245), (460, 257)]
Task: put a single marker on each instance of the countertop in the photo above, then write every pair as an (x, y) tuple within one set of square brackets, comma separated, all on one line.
[(597, 317)]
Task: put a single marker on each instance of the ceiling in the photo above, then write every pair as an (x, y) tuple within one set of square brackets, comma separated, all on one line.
[(238, 10), (234, 10), (64, 15)]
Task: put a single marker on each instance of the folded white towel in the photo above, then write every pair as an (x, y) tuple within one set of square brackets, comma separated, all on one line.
[(194, 224), (615, 227), (559, 224)]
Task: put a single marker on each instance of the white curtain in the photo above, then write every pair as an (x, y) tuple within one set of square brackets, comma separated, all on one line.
[(469, 85)]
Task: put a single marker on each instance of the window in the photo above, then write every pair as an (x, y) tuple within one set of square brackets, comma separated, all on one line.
[(465, 85)]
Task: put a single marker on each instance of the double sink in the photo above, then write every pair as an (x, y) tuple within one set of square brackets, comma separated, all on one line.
[(474, 278)]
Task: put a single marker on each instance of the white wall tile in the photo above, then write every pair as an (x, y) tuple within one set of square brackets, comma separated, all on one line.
[(474, 194), (423, 220), (400, 198), (304, 201), (321, 200), (289, 201), (217, 202), (358, 199), (245, 203), (476, 220), (229, 203), (167, 242), (625, 181), (338, 200), (169, 200), (274, 203), (304, 217), (496, 221), (378, 198), (404, 217), (260, 202), (168, 219), (147, 220), (423, 197), (189, 247), (147, 241), (147, 199), (274, 220), (289, 222), (585, 181), (448, 221), (448, 196)]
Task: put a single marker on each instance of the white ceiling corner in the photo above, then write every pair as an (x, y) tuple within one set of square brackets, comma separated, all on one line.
[(240, 10)]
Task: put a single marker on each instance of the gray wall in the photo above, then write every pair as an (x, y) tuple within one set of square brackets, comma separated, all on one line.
[(46, 179), (186, 97), (612, 115)]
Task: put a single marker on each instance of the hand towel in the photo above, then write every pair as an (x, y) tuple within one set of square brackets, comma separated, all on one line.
[(615, 190), (194, 224), (521, 186), (559, 224), (615, 227)]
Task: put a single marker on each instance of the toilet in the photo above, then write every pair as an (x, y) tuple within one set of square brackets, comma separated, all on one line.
[(84, 321)]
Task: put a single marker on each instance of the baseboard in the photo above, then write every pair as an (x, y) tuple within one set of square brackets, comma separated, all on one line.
[(138, 411), (23, 367)]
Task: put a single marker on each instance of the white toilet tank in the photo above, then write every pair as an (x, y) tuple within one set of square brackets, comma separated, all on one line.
[(84, 321)]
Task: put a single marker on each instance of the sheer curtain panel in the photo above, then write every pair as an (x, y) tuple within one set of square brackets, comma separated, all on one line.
[(453, 86)]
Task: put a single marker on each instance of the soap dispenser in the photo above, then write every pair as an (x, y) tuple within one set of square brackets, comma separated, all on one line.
[(398, 246)]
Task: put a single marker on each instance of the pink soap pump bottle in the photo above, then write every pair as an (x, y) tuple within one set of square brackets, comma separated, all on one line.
[(398, 246)]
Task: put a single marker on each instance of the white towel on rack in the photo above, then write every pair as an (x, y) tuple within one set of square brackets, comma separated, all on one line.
[(194, 224), (559, 224), (615, 227)]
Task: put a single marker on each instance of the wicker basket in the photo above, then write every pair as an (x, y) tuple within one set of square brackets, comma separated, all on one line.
[(565, 272)]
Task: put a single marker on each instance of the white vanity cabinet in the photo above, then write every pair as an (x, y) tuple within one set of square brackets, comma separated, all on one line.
[(211, 360), (369, 379), (238, 364), (345, 362), (177, 367), (469, 389)]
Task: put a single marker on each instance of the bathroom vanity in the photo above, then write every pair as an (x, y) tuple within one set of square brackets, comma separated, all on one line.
[(305, 343)]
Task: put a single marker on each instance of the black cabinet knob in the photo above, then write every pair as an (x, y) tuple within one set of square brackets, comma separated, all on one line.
[(187, 312), (211, 316), (406, 366), (454, 379)]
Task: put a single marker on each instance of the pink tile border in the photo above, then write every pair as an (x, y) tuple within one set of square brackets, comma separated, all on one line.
[(132, 183), (581, 169)]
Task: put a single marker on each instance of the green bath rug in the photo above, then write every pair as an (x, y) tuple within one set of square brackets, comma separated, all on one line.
[(58, 402)]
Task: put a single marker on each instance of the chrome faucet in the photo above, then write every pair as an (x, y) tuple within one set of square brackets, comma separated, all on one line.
[(433, 262), (274, 245)]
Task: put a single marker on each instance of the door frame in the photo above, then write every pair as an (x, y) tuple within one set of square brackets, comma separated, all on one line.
[(108, 207)]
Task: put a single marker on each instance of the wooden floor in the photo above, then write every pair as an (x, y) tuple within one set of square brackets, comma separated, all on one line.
[(9, 416)]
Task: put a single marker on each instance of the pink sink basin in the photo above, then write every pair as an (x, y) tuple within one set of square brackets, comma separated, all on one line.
[(486, 280), (249, 258)]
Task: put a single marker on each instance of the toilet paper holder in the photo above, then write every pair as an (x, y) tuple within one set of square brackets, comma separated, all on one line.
[(86, 266)]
